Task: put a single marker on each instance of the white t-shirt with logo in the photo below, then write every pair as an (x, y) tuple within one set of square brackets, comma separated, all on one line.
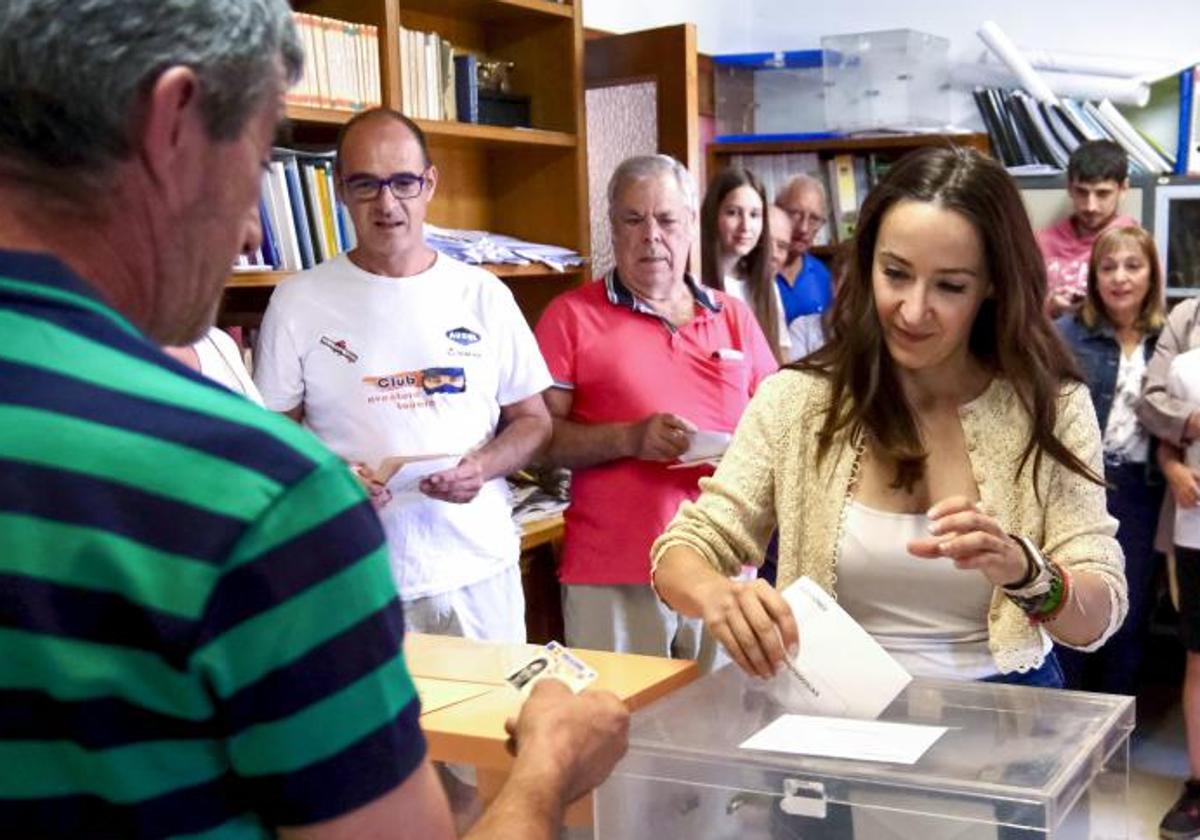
[(408, 367)]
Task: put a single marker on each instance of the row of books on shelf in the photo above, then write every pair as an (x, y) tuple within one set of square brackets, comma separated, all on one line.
[(341, 71), (847, 178), (303, 222), (427, 76), (1028, 133), (341, 64)]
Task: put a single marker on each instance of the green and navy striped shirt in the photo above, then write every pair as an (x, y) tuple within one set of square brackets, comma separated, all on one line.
[(199, 634)]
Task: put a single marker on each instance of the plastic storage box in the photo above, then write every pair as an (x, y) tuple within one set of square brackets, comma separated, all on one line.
[(897, 79), (769, 95), (1016, 764)]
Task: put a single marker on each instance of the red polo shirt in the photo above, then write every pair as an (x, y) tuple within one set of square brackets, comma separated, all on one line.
[(623, 363)]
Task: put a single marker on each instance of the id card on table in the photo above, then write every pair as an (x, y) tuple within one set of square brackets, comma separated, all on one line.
[(553, 662)]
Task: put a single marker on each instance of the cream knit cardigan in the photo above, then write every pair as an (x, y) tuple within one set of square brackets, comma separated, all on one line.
[(770, 478)]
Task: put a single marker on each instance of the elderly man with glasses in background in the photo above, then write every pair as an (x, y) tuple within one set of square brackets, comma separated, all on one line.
[(354, 349), (804, 282)]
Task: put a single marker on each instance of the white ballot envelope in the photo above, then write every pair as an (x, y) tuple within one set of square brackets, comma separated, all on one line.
[(403, 473), (705, 446), (840, 670)]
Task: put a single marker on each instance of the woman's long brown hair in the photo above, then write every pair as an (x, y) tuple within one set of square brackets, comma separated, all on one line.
[(1012, 336), (755, 266)]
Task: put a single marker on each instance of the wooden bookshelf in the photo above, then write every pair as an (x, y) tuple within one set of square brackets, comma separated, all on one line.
[(888, 143), (468, 134), (493, 10), (319, 116), (255, 279), (887, 146), (524, 182)]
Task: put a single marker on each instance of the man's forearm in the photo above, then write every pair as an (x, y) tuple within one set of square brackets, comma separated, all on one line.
[(515, 447), (580, 445), (527, 807)]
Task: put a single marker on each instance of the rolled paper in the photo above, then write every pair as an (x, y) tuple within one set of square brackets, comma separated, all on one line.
[(1006, 51)]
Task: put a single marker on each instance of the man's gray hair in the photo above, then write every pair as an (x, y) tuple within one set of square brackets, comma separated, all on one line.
[(652, 166), (802, 183), (73, 72)]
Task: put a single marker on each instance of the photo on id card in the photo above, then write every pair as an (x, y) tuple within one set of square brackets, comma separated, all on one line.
[(552, 662)]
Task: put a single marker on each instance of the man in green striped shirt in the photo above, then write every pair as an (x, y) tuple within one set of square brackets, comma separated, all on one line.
[(199, 636)]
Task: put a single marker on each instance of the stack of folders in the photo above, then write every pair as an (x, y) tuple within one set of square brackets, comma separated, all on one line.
[(1029, 135), (303, 222), (341, 64)]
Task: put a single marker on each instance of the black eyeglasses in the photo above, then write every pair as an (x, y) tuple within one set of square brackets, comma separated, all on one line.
[(367, 187)]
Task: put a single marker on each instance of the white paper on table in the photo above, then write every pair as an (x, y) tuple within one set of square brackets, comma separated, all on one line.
[(861, 740), (840, 670), (406, 472), (705, 445)]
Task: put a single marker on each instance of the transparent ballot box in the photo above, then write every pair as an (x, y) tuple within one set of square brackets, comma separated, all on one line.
[(760, 94), (893, 80), (1015, 763)]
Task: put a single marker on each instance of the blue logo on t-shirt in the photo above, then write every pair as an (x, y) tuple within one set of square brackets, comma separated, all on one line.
[(463, 336)]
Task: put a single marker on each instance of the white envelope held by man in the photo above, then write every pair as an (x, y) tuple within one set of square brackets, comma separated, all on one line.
[(840, 671), (704, 447), (403, 473)]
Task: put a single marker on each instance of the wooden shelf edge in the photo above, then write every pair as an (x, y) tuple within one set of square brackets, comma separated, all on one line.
[(267, 279), (850, 144), (312, 114), (447, 130), (491, 9), (536, 270), (255, 279), (545, 7), (495, 134)]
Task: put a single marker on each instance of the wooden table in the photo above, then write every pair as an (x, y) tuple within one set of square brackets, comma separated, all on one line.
[(544, 531), (540, 540), (471, 731)]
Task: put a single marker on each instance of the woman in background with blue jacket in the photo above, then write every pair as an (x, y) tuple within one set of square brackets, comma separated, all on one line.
[(1113, 337)]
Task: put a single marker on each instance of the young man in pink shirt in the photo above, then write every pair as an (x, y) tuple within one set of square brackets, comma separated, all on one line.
[(642, 360), (1097, 178)]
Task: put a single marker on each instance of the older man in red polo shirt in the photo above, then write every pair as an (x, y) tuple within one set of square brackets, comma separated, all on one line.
[(642, 360)]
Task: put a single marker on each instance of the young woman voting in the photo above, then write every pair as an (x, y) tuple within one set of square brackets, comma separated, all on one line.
[(937, 465)]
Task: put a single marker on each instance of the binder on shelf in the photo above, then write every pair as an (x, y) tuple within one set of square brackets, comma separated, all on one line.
[(1026, 132), (1187, 156), (270, 253), (843, 195), (280, 212), (291, 171), (466, 87), (994, 125)]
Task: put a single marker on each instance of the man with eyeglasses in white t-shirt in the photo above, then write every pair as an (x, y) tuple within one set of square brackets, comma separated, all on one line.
[(422, 372)]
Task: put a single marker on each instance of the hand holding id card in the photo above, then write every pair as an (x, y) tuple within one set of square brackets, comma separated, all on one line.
[(552, 662)]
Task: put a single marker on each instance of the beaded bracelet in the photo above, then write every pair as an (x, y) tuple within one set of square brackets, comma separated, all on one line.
[(1051, 610), (1044, 598)]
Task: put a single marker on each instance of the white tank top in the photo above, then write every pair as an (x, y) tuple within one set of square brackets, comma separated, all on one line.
[(930, 616)]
